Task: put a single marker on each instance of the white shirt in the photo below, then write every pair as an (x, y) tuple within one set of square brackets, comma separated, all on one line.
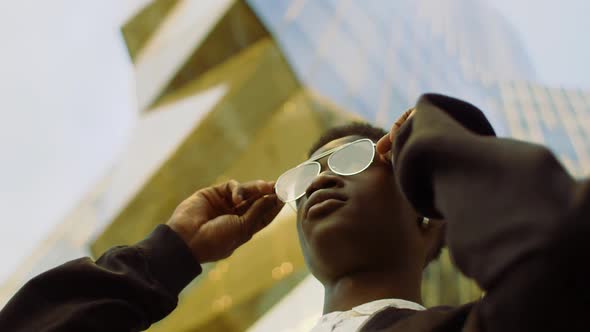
[(351, 320)]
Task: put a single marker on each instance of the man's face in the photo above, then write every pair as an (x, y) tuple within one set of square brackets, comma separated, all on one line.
[(362, 221)]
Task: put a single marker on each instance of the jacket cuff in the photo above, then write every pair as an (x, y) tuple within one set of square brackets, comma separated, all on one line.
[(169, 259)]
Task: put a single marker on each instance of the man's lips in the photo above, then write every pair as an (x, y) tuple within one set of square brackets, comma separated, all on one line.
[(320, 196)]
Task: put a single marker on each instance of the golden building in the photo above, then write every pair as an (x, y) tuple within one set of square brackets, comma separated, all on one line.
[(264, 122)]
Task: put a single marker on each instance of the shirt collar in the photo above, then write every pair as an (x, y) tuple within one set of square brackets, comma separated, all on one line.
[(374, 306)]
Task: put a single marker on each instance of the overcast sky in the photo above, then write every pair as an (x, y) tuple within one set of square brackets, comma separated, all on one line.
[(67, 105), (66, 111), (555, 36)]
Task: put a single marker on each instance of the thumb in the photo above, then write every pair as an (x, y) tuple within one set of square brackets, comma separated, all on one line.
[(261, 213)]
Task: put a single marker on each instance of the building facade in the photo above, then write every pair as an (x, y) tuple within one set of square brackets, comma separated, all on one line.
[(554, 117), (375, 58)]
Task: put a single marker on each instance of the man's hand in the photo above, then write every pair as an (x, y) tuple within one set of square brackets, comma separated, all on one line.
[(216, 220), (384, 146)]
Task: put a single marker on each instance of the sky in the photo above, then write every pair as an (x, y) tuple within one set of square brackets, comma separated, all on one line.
[(555, 35), (68, 107), (66, 111)]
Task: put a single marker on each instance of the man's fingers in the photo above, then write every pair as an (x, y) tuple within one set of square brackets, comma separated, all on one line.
[(385, 143), (252, 190), (232, 187), (407, 114), (399, 122), (261, 213)]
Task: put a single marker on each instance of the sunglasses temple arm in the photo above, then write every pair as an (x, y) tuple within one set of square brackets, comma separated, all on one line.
[(291, 205)]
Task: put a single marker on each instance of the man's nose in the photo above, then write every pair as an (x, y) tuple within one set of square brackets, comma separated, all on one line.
[(324, 180)]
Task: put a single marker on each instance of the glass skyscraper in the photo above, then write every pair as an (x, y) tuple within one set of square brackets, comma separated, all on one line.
[(376, 57), (554, 117)]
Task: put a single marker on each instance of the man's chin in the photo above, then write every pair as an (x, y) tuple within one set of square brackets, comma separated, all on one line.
[(331, 232), (334, 249), (327, 225)]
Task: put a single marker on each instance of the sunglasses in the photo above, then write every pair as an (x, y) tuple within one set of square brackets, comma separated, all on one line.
[(348, 159)]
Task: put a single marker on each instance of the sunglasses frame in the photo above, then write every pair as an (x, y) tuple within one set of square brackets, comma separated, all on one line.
[(330, 152)]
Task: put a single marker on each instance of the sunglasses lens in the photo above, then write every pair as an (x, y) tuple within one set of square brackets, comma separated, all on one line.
[(293, 183), (352, 159)]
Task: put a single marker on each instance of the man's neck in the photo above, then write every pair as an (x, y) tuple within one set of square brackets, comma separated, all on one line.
[(352, 290)]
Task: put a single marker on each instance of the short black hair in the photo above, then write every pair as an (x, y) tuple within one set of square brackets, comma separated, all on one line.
[(362, 129), (365, 130)]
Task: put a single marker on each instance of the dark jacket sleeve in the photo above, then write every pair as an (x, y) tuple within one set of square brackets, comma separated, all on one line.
[(126, 289), (518, 223)]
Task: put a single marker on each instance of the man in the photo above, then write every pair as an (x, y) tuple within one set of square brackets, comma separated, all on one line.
[(514, 220), (360, 237)]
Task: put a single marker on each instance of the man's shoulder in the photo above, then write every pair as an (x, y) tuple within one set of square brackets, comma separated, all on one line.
[(440, 318)]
